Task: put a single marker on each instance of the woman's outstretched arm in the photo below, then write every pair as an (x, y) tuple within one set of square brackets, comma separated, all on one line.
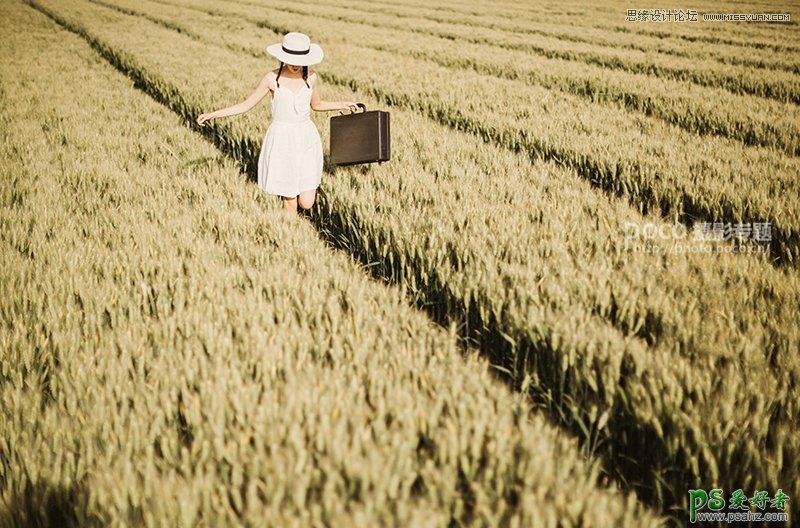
[(326, 106), (239, 108)]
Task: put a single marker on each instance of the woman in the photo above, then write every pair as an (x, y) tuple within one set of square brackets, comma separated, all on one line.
[(290, 162)]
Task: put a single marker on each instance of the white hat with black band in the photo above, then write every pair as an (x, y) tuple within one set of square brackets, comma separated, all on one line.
[(296, 49)]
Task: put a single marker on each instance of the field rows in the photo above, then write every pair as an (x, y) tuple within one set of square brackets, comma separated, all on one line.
[(756, 36), (779, 85), (591, 324), (750, 119), (656, 166), (460, 162), (191, 356), (740, 55)]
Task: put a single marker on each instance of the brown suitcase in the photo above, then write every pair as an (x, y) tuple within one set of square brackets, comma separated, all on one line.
[(360, 137)]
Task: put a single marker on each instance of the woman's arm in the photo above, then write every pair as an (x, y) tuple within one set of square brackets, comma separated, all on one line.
[(326, 106), (239, 108)]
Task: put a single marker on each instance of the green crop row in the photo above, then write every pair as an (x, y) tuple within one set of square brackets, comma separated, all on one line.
[(176, 352), (655, 358), (656, 166)]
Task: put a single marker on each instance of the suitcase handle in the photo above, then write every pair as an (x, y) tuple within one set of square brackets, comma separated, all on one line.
[(362, 105)]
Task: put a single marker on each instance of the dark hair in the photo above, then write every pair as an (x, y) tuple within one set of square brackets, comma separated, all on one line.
[(305, 75)]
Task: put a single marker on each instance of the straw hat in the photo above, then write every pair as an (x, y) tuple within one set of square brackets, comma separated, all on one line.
[(296, 49)]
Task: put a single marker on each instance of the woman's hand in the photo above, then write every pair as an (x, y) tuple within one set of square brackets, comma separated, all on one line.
[(350, 105), (203, 118)]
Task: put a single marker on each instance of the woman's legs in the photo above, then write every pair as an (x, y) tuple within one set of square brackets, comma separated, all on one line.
[(290, 205), (306, 199)]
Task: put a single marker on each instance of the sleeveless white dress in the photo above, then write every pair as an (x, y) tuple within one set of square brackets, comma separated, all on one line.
[(291, 158)]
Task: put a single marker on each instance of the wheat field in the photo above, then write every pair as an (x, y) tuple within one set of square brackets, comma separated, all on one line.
[(462, 336)]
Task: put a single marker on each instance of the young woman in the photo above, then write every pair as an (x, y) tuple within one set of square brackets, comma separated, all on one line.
[(290, 162)]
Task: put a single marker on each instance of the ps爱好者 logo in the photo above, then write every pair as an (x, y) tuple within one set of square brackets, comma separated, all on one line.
[(711, 506)]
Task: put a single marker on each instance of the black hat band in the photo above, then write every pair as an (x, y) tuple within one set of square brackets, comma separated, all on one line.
[(293, 52)]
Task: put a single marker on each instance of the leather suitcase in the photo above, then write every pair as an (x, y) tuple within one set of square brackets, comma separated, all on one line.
[(360, 137)]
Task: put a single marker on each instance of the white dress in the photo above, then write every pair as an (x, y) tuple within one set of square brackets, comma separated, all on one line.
[(290, 161)]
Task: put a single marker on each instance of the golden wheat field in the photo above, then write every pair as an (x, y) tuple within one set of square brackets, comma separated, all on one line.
[(571, 297)]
